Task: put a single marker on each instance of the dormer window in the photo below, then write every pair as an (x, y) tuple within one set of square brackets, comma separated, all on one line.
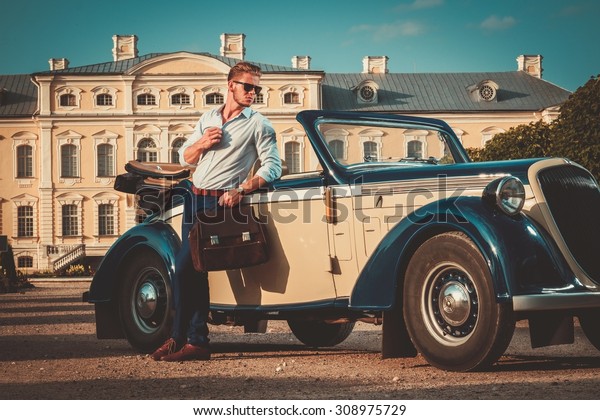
[(487, 92), (484, 91), (366, 92)]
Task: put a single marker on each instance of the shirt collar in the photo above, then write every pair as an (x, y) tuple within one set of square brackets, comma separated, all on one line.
[(246, 112)]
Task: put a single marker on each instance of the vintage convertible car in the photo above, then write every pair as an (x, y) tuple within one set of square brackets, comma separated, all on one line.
[(445, 253)]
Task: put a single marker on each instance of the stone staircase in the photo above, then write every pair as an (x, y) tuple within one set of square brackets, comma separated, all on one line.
[(64, 255)]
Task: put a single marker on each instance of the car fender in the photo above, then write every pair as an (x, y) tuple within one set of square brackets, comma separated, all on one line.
[(520, 255), (156, 236)]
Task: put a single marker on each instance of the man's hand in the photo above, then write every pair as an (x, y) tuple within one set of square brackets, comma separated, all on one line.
[(230, 198), (211, 136)]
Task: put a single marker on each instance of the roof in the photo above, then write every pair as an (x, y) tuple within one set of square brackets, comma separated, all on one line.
[(441, 92), (397, 92), (123, 66), (18, 96)]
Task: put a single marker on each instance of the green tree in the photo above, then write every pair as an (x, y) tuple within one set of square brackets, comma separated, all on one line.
[(577, 130), (575, 134)]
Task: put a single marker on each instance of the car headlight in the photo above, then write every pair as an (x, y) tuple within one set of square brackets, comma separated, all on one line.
[(507, 193)]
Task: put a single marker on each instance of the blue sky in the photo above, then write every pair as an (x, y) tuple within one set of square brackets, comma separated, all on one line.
[(417, 35)]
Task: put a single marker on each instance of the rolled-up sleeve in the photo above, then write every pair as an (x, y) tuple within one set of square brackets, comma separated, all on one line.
[(266, 146), (194, 137)]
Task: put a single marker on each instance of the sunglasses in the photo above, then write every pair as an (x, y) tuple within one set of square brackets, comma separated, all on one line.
[(248, 87)]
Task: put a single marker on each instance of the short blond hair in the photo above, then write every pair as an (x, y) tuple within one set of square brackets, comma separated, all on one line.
[(244, 67)]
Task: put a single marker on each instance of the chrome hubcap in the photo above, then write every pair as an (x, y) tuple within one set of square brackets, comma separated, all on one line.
[(146, 300), (149, 301), (454, 303), (451, 304)]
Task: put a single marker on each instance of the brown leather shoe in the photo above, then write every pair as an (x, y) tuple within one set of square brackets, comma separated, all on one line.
[(188, 352), (170, 346)]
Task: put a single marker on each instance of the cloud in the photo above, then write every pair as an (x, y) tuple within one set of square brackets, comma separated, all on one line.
[(388, 31), (495, 23), (572, 10), (420, 4)]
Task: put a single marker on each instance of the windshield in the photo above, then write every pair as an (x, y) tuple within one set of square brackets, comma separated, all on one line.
[(353, 144)]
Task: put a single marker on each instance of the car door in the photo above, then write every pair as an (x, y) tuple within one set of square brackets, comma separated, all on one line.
[(298, 271)]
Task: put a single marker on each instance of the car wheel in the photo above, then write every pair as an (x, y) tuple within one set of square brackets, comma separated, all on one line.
[(144, 302), (590, 324), (450, 306), (320, 333)]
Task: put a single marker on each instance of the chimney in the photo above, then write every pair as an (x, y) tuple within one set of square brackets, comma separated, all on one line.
[(375, 64), (531, 64), (301, 62), (58, 64), (232, 46), (124, 47)]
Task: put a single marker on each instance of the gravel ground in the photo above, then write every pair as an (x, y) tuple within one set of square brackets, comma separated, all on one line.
[(48, 350)]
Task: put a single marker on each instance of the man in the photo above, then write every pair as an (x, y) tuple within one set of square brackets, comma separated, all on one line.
[(223, 148)]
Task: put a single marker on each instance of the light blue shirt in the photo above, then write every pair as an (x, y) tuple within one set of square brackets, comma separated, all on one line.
[(245, 138)]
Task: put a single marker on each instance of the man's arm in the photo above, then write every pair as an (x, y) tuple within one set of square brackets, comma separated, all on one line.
[(191, 154)]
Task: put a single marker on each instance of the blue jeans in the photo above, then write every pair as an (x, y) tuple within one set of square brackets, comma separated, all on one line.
[(190, 288)]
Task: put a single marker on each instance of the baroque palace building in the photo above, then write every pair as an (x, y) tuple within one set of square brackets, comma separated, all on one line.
[(66, 133)]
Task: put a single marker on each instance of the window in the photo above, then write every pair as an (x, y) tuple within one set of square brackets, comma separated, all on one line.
[(487, 93), (291, 98), (25, 221), (147, 151), (337, 149), (259, 99), (68, 99), (292, 156), (370, 151), (105, 160), (104, 99), (489, 133), (367, 93), (180, 99), (140, 216), (215, 99), (25, 262), (69, 220), (24, 162), (106, 219), (68, 159), (414, 149), (176, 145), (146, 99)]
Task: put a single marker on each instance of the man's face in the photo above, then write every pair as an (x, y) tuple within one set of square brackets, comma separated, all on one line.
[(238, 90)]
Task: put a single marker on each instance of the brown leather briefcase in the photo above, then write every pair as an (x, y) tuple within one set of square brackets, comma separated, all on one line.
[(227, 238)]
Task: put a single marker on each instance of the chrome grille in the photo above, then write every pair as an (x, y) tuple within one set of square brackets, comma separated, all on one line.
[(573, 198)]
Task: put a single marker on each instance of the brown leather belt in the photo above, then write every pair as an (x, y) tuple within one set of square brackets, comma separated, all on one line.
[(210, 193)]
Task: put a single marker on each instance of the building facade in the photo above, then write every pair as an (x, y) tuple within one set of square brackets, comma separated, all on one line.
[(66, 133)]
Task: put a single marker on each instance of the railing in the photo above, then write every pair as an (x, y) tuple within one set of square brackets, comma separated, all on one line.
[(68, 254)]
